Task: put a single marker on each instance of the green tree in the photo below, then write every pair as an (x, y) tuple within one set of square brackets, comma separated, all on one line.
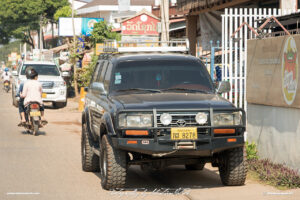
[(20, 17), (103, 31), (65, 11)]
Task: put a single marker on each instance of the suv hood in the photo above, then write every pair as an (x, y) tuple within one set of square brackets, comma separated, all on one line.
[(171, 101)]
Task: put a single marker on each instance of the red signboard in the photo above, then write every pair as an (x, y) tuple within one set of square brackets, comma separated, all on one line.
[(142, 24)]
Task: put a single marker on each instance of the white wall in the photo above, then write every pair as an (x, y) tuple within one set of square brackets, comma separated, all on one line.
[(111, 8), (288, 4), (157, 2), (77, 4), (276, 130)]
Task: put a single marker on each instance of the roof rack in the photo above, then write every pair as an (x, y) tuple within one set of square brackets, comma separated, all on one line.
[(112, 46)]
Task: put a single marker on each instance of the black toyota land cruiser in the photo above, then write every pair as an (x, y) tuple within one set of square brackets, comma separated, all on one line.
[(156, 110)]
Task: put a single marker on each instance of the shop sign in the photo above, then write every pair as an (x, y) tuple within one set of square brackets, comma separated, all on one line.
[(140, 25), (289, 70)]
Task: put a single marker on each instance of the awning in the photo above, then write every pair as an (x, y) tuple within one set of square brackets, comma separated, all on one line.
[(177, 24)]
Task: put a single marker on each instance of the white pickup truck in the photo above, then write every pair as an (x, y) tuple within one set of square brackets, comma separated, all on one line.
[(54, 86)]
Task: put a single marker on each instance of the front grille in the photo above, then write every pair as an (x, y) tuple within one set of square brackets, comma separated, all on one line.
[(47, 84), (189, 119)]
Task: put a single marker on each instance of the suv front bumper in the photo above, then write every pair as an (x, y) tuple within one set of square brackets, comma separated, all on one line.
[(58, 94), (199, 147), (206, 144)]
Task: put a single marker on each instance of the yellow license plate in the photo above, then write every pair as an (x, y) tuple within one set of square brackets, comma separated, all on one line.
[(6, 84), (44, 95), (35, 114), (184, 133)]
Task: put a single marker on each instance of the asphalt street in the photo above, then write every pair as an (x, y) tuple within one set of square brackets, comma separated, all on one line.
[(48, 167)]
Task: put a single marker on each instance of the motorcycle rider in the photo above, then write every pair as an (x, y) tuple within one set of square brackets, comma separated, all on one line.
[(6, 75), (32, 92), (21, 100)]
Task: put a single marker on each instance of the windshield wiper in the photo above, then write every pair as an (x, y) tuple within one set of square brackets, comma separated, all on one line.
[(139, 89), (187, 90)]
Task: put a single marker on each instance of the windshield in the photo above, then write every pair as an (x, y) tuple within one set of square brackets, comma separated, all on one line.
[(162, 75), (42, 69)]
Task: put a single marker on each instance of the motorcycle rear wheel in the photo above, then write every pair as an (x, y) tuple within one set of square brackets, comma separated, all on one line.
[(35, 127)]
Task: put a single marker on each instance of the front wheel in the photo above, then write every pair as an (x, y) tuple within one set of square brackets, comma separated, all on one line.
[(14, 99), (59, 104), (7, 89), (89, 160), (113, 165), (233, 167)]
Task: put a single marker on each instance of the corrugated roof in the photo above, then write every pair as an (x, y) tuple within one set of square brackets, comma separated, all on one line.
[(115, 2)]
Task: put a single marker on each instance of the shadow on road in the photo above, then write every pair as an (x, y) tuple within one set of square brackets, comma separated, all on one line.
[(172, 179), (40, 133)]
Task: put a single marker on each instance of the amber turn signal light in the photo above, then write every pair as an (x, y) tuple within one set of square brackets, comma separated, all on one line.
[(131, 142), (224, 131), (136, 132), (231, 140)]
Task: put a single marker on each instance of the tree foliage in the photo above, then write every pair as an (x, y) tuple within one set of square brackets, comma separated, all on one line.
[(8, 48), (103, 31), (18, 18), (65, 11), (84, 75)]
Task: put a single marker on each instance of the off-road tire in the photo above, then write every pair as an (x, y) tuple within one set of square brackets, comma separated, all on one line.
[(195, 166), (59, 104), (89, 160), (233, 167), (113, 175), (14, 100)]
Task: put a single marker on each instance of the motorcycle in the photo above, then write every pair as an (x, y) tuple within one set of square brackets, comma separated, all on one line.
[(7, 86), (33, 117)]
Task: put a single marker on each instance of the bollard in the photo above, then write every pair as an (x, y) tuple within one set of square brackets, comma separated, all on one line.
[(82, 99)]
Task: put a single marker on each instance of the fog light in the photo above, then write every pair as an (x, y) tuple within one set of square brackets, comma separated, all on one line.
[(201, 118), (166, 119)]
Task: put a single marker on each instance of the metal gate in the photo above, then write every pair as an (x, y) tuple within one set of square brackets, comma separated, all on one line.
[(212, 59), (234, 49)]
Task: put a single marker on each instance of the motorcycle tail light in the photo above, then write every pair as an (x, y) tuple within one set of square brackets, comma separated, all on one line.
[(34, 106)]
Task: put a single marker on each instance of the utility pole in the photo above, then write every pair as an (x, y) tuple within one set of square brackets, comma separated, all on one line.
[(164, 12), (74, 52), (41, 34)]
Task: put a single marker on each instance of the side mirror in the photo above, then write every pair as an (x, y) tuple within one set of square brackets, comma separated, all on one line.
[(14, 73), (224, 87), (98, 88), (86, 89)]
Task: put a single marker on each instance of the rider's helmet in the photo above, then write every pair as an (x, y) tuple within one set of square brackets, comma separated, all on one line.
[(31, 73), (6, 69)]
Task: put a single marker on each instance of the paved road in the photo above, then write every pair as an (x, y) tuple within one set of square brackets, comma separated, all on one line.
[(48, 167)]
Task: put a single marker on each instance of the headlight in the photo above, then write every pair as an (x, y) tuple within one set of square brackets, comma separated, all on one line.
[(141, 120), (59, 84), (227, 119), (166, 119), (201, 118)]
